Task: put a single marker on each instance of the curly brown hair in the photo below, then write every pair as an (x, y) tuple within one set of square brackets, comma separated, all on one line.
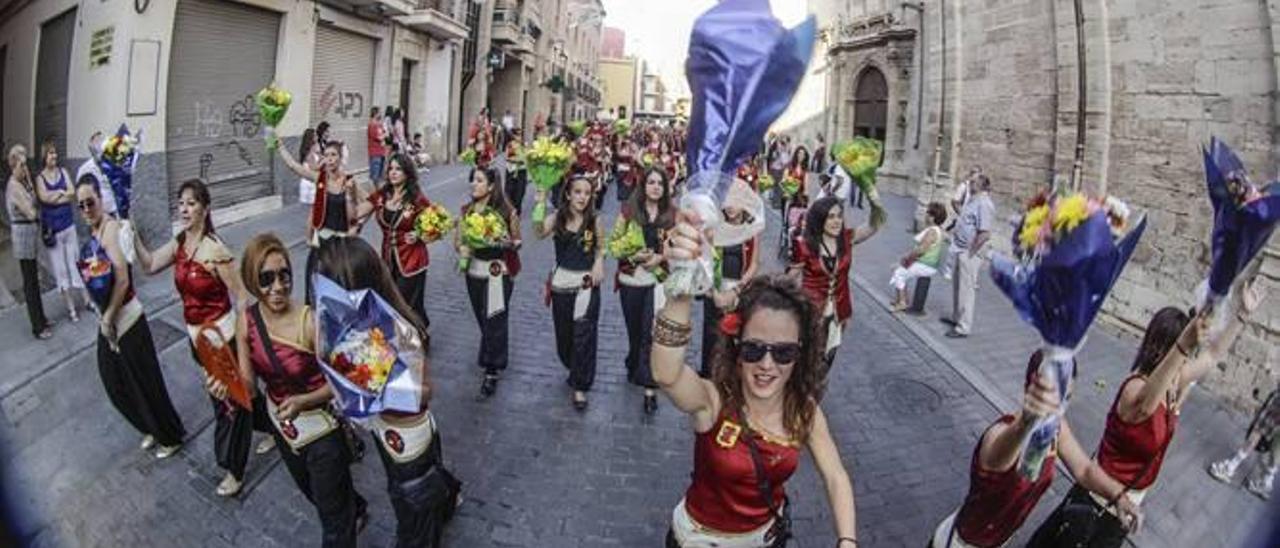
[(783, 293)]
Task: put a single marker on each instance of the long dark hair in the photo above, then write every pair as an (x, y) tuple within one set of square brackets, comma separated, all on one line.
[(795, 157), (813, 225), (800, 396), (353, 264), (588, 214), (497, 196), (308, 141), (412, 189), (322, 133), (1162, 333), (201, 193), (635, 206)]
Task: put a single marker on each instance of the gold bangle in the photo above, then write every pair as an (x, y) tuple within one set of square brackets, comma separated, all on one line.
[(671, 334)]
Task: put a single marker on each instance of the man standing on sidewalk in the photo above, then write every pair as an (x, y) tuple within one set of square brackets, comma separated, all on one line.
[(377, 146), (972, 231)]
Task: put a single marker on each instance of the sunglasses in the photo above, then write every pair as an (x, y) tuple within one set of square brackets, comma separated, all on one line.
[(267, 278), (86, 204), (783, 353)]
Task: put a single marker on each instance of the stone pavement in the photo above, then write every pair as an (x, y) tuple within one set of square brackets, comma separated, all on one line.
[(905, 408), (994, 358)]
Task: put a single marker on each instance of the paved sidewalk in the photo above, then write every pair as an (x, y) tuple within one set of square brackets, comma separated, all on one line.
[(1186, 507)]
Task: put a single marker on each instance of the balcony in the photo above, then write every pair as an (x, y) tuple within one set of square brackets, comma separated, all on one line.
[(393, 8), (435, 18), (509, 33)]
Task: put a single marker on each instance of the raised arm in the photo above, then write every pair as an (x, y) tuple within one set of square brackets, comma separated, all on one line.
[(1247, 301), (690, 393), (865, 232), (302, 170), (1001, 446), (1137, 403), (542, 224), (155, 261), (826, 457)]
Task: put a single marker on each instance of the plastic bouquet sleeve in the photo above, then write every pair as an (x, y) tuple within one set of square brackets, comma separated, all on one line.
[(860, 158), (743, 68), (547, 162), (273, 103), (372, 357), (1059, 287), (1243, 218), (118, 159)]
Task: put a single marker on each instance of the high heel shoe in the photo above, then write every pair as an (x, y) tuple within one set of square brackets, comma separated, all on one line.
[(489, 386), (650, 403)]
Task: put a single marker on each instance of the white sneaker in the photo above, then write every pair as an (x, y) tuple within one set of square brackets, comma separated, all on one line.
[(165, 452), (229, 487), (1261, 485), (148, 441), (1224, 469), (265, 446)]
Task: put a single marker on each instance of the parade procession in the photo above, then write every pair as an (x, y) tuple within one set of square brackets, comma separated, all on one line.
[(595, 273)]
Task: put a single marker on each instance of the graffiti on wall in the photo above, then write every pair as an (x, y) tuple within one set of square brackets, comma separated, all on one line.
[(342, 104)]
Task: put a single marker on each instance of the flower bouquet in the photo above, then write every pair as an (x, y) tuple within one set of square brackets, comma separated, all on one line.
[(790, 186), (578, 128), (1070, 249), (468, 157), (273, 103), (372, 357), (625, 240), (860, 158), (743, 68), (480, 229), (622, 127), (432, 223), (119, 157), (547, 162), (765, 183), (1243, 218)]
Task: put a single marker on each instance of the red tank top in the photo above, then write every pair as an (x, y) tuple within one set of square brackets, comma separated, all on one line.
[(999, 502), (299, 372), (1127, 448), (724, 494), (205, 297)]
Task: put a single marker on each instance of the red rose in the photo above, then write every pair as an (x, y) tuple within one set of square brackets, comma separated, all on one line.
[(731, 324)]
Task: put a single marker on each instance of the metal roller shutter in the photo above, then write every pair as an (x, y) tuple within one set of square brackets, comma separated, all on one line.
[(223, 53), (52, 72), (342, 89)]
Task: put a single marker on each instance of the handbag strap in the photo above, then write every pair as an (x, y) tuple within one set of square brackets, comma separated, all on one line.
[(763, 485), (265, 337)]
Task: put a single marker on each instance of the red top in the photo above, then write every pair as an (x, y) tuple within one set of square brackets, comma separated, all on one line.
[(820, 284), (586, 160), (300, 372), (484, 144), (999, 502), (747, 172), (725, 495), (374, 133), (205, 298), (409, 258), (1127, 448)]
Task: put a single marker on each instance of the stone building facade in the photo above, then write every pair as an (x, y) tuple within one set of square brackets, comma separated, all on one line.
[(950, 85)]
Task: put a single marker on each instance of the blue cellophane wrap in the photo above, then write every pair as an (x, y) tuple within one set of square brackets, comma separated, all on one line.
[(338, 312), (1239, 230), (97, 272), (120, 176), (1060, 296)]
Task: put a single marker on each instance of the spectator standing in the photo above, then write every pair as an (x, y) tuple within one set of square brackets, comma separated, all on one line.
[(971, 233), (377, 149)]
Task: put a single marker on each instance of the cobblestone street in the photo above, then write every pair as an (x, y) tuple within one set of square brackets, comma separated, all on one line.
[(536, 473)]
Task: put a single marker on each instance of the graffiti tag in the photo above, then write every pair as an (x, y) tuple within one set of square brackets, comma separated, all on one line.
[(245, 119), (209, 120)]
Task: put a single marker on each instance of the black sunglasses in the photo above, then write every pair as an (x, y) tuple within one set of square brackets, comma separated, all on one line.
[(267, 278), (86, 204), (783, 353)]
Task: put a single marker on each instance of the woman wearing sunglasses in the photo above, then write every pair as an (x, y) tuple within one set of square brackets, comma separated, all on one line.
[(276, 340), (204, 273), (127, 359), (753, 417)]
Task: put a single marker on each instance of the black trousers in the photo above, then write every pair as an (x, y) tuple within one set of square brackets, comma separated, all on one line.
[(322, 471), (420, 520), (637, 313), (576, 341), (1063, 529), (624, 190), (493, 330), (31, 294), (233, 428), (309, 293), (135, 385), (710, 335), (516, 183), (414, 290)]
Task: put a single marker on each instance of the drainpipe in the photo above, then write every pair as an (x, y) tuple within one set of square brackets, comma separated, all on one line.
[(919, 7), (1081, 101), (942, 99)]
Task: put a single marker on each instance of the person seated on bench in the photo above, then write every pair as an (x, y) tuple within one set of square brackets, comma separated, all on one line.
[(923, 260)]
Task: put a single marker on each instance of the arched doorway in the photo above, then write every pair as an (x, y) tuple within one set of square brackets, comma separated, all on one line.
[(871, 104)]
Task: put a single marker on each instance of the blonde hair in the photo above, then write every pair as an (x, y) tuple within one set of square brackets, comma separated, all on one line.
[(17, 151), (255, 254)]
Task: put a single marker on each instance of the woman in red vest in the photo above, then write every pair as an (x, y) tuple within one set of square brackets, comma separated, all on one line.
[(395, 207), (822, 257), (334, 211), (754, 417), (1144, 416), (1000, 498)]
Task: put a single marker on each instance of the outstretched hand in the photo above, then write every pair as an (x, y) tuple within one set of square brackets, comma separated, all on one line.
[(685, 239)]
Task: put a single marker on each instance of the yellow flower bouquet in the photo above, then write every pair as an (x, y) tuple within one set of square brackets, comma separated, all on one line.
[(547, 162), (433, 223)]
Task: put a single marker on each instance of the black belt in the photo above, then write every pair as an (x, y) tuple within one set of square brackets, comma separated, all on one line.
[(23, 222)]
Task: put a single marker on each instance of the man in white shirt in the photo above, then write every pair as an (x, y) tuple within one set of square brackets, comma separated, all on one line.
[(91, 167), (835, 182), (971, 233), (959, 198)]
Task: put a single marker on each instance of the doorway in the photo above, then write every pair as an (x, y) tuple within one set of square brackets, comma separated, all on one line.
[(871, 105)]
